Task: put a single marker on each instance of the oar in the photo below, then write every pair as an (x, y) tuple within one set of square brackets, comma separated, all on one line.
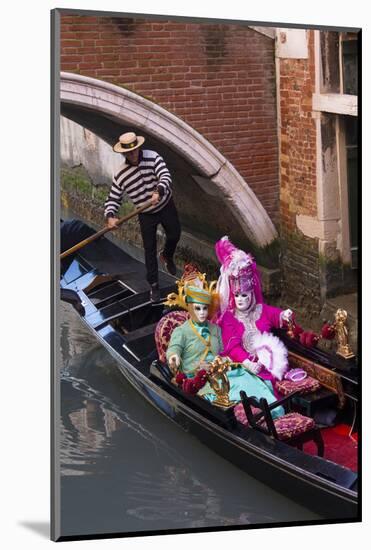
[(104, 230)]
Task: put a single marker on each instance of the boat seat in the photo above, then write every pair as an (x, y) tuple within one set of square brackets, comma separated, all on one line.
[(293, 428), (164, 330), (310, 396), (308, 385)]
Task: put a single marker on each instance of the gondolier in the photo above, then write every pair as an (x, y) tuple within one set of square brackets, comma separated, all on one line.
[(144, 176)]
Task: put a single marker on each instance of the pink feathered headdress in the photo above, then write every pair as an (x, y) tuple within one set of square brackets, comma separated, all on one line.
[(237, 272)]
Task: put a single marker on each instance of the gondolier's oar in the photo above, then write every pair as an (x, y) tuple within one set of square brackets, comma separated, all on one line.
[(104, 230)]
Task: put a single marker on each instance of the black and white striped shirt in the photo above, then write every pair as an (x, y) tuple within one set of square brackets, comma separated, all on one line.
[(139, 182)]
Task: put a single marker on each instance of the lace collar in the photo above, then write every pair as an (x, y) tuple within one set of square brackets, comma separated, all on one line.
[(249, 317)]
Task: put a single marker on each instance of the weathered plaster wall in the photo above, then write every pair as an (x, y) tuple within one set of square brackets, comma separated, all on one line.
[(80, 146)]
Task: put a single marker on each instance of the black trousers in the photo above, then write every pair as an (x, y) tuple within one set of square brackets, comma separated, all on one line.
[(168, 218)]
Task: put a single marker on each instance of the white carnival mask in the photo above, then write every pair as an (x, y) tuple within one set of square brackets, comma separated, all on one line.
[(200, 312), (244, 301)]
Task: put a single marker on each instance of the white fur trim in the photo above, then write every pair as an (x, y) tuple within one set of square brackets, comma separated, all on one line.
[(272, 353)]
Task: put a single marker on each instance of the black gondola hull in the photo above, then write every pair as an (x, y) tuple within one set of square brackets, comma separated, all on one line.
[(320, 485), (265, 459)]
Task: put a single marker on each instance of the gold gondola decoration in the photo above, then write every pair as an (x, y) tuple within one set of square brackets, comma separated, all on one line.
[(341, 335), (219, 382), (336, 330), (193, 277)]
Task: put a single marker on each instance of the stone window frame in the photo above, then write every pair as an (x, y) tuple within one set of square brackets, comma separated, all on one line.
[(338, 104)]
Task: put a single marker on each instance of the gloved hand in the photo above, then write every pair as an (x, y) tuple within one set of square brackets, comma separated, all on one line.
[(286, 315), (252, 366), (174, 362)]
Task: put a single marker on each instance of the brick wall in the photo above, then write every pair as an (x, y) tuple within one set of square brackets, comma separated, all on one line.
[(218, 78), (300, 258)]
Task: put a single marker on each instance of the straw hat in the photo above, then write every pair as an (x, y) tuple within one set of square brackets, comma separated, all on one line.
[(196, 295), (128, 142)]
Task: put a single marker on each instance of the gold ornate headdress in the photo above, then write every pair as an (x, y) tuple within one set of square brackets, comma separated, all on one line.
[(193, 279)]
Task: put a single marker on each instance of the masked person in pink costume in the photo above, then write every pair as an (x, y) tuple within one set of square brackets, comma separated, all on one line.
[(245, 320)]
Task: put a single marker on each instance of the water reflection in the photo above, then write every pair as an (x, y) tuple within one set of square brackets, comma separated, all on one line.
[(187, 500), (85, 435), (125, 467)]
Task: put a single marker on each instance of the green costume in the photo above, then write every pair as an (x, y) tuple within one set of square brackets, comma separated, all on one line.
[(195, 342), (190, 348)]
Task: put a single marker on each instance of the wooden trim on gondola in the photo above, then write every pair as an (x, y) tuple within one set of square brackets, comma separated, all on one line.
[(327, 378)]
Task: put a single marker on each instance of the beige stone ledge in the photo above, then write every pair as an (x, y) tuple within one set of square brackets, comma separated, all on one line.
[(341, 104), (326, 230)]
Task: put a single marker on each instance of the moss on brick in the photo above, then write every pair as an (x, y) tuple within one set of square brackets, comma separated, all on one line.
[(268, 255), (327, 262), (337, 277), (100, 193), (301, 273), (77, 179), (77, 185)]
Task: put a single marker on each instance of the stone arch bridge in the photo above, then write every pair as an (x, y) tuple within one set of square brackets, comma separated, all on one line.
[(212, 197)]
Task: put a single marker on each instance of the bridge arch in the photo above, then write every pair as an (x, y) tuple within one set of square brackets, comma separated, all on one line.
[(215, 174)]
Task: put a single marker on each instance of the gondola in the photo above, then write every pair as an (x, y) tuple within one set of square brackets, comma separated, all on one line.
[(107, 287)]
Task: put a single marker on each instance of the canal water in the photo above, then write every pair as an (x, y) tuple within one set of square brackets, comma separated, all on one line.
[(127, 468)]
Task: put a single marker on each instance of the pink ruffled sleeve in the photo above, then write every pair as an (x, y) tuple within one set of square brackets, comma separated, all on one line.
[(272, 315)]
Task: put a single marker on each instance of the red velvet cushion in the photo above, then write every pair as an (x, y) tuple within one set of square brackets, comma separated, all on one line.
[(164, 330), (239, 413), (287, 426), (308, 385), (292, 424)]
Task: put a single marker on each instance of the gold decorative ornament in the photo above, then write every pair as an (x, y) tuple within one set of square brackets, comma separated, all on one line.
[(342, 336), (193, 277), (219, 382), (290, 328)]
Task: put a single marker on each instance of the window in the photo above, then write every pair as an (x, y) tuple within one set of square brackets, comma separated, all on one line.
[(338, 57), (339, 62), (349, 63)]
